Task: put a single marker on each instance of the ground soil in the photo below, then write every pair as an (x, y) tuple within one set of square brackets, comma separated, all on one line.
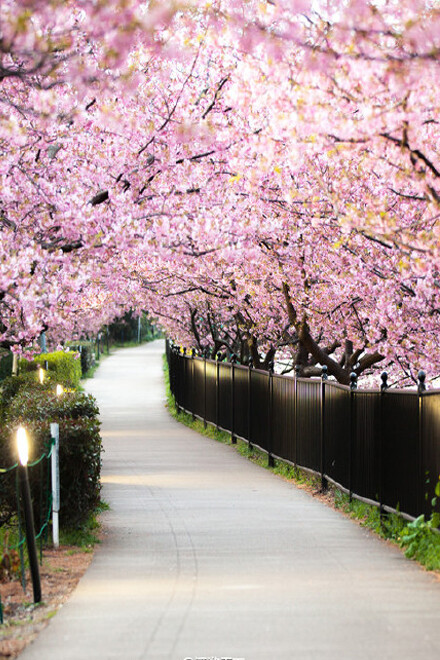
[(22, 620)]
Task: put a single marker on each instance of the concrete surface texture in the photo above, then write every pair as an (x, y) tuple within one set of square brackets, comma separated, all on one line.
[(206, 555)]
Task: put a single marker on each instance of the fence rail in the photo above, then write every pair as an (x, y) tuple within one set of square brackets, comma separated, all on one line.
[(382, 446)]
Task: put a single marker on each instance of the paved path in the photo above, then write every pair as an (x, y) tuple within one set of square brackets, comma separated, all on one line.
[(209, 556)]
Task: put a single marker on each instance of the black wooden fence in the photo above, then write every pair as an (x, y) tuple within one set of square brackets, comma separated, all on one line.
[(382, 446)]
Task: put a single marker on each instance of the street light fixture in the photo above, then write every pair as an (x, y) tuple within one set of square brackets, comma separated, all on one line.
[(22, 446), (23, 454)]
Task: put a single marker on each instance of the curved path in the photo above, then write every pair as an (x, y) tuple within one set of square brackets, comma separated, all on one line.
[(209, 556)]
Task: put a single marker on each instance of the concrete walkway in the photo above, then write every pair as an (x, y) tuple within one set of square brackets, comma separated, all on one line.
[(209, 556)]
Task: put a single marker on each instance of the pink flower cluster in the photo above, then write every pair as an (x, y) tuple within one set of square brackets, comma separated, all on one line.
[(263, 178)]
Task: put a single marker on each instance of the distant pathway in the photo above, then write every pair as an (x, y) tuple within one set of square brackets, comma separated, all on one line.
[(206, 555)]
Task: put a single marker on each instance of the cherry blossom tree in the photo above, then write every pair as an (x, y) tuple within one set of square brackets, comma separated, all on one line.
[(261, 176)]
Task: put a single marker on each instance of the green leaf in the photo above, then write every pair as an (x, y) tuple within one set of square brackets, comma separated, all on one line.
[(435, 519)]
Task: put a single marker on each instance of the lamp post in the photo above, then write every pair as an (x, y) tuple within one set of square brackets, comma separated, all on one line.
[(23, 454), (41, 375)]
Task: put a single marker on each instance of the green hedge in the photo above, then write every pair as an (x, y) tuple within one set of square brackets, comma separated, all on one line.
[(5, 365), (87, 352), (64, 367), (40, 404), (12, 385), (80, 450)]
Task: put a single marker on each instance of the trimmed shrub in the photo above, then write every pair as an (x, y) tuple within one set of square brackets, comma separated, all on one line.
[(38, 404), (80, 450), (87, 355), (12, 385), (80, 469), (6, 365), (64, 367)]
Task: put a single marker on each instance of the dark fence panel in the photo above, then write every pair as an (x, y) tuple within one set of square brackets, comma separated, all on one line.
[(225, 396), (211, 394), (384, 446), (181, 380), (337, 432), (188, 383), (175, 375), (400, 451), (365, 444), (241, 401), (199, 387), (430, 447), (260, 408), (283, 418), (308, 423)]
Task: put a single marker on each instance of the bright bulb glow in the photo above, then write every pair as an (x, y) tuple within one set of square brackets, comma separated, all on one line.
[(22, 445), (41, 375), (59, 390)]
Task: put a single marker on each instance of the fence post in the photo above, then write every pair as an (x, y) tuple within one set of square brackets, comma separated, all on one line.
[(324, 376), (270, 459), (193, 385), (176, 369), (295, 410), (172, 367), (182, 381), (204, 389), (421, 388), (217, 389), (187, 380), (176, 373), (250, 367), (353, 387), (383, 389), (233, 438)]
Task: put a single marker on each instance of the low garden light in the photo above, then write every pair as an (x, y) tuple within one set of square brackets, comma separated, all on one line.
[(22, 446), (41, 375), (23, 454), (59, 390)]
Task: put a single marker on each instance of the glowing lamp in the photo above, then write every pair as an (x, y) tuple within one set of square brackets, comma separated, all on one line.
[(41, 375), (59, 390), (23, 478), (22, 445)]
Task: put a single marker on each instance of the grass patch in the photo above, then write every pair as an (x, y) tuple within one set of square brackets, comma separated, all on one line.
[(50, 615), (388, 526), (86, 535), (419, 540), (91, 372), (9, 533)]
